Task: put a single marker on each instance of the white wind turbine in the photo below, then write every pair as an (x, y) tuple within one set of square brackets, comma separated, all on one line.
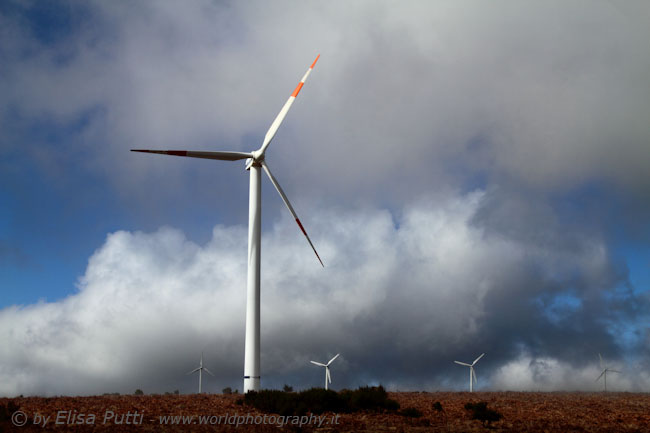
[(255, 162), (328, 378), (472, 375), (200, 369), (605, 369)]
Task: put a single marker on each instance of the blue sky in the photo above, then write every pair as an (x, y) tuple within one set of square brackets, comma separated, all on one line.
[(490, 162)]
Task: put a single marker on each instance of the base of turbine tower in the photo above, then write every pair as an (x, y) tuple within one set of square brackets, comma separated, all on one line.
[(251, 384)]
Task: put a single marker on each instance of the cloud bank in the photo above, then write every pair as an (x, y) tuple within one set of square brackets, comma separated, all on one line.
[(402, 296), (536, 94)]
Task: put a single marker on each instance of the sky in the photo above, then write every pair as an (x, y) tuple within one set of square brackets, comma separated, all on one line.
[(473, 174)]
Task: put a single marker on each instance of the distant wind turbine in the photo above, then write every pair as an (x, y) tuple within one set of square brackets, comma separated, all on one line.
[(472, 375), (200, 369), (255, 162), (604, 369), (328, 378)]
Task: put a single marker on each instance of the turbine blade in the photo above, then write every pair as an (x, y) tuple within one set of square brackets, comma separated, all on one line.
[(329, 377), (318, 363), (476, 360), (613, 371), (224, 156), (293, 212), (208, 371), (195, 370), (601, 360), (474, 375), (285, 109), (337, 355), (601, 375), (462, 363)]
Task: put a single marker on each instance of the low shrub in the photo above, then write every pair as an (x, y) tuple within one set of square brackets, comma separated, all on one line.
[(7, 411), (319, 400), (315, 400), (481, 412), (369, 398), (273, 401)]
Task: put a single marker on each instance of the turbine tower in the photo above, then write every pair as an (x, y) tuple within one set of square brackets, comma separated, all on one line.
[(255, 162), (605, 369), (328, 378), (472, 375), (200, 369)]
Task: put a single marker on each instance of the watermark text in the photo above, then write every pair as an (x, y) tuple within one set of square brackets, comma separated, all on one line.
[(237, 420)]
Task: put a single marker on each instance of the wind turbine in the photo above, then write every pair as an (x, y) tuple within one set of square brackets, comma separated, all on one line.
[(255, 162), (200, 369), (472, 375), (604, 372), (328, 378)]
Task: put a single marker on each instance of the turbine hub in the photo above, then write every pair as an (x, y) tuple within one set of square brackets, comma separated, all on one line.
[(258, 155)]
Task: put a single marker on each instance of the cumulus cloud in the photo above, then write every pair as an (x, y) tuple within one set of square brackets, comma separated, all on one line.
[(550, 374), (401, 297)]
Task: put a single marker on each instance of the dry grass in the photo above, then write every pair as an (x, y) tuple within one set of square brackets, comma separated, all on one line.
[(522, 412)]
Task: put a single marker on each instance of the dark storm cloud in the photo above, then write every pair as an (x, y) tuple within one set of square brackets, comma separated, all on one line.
[(399, 96)]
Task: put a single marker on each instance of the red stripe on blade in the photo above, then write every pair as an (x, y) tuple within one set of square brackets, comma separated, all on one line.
[(177, 152), (298, 87), (312, 246), (301, 227)]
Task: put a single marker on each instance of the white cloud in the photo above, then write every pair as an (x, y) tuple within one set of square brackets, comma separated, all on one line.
[(526, 373), (149, 302)]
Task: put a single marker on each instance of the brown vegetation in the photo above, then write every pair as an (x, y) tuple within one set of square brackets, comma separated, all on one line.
[(420, 412)]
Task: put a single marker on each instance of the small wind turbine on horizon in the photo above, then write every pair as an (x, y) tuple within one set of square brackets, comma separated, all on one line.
[(604, 369), (255, 163), (200, 369), (472, 375), (328, 378)]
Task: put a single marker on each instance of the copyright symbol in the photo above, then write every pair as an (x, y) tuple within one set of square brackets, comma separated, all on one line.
[(19, 418)]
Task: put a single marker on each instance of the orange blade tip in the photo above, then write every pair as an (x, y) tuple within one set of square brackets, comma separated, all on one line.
[(312, 65)]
